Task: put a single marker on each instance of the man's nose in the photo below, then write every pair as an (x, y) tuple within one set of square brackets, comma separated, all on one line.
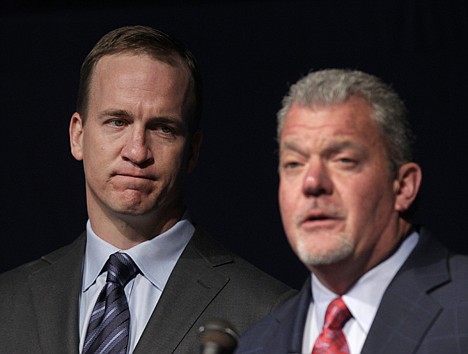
[(317, 180), (136, 149)]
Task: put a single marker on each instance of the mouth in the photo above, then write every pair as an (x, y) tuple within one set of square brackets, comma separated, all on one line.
[(136, 176), (319, 218)]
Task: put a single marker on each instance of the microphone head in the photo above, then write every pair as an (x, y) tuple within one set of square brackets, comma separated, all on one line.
[(219, 334)]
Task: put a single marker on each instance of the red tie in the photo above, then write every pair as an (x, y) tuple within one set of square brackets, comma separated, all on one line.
[(332, 339)]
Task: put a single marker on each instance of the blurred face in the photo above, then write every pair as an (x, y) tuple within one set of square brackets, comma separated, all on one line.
[(336, 194), (134, 143)]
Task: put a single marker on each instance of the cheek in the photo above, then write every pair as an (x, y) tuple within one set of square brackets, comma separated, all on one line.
[(95, 159), (282, 198), (369, 205), (287, 202), (168, 152), (170, 165), (95, 147)]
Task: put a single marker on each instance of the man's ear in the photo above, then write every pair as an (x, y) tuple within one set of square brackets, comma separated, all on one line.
[(194, 150), (76, 136), (406, 186)]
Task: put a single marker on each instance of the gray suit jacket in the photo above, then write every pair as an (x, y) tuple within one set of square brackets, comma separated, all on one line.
[(423, 311), (39, 300)]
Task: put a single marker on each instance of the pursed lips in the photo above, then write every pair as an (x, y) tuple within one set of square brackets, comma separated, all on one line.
[(135, 175)]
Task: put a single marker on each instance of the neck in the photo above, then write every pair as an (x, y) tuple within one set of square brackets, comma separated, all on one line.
[(340, 277), (127, 231)]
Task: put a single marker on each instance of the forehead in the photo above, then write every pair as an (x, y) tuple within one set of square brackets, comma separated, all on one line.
[(132, 78), (351, 119), (133, 64)]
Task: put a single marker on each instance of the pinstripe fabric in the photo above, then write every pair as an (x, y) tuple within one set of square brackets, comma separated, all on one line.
[(108, 326)]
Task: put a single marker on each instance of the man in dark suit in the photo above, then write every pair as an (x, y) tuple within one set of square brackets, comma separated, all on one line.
[(142, 278), (378, 283)]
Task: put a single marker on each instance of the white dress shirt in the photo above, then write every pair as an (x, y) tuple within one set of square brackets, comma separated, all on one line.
[(362, 300), (155, 258)]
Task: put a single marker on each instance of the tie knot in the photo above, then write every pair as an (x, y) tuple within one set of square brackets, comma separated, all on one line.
[(337, 314), (121, 268)]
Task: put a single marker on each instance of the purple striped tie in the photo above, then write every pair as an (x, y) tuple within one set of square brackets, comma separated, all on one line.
[(109, 322)]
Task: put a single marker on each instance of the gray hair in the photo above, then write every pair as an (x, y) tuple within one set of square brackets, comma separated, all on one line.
[(335, 86)]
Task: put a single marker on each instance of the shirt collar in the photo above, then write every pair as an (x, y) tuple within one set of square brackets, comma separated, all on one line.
[(363, 299), (155, 258)]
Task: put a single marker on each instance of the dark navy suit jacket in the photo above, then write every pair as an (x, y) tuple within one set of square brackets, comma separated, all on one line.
[(423, 311)]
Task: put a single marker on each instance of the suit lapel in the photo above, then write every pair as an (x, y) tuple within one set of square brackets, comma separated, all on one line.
[(192, 286), (288, 335), (407, 311), (55, 292)]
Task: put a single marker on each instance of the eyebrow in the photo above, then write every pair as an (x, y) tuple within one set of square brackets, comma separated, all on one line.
[(333, 146), (340, 145), (124, 113), (292, 145), (114, 113)]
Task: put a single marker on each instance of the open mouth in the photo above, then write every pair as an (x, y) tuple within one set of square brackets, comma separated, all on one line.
[(318, 217)]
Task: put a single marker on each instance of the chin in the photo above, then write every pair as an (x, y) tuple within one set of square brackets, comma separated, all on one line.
[(317, 255), (132, 208)]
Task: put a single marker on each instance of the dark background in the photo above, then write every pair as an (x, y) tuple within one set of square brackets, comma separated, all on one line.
[(249, 52)]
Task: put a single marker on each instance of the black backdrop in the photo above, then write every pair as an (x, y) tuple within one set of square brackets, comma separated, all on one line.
[(248, 53)]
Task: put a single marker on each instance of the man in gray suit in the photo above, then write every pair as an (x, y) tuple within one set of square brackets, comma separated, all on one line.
[(378, 284), (136, 130)]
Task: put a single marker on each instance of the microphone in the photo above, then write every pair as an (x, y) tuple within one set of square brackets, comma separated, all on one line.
[(217, 337)]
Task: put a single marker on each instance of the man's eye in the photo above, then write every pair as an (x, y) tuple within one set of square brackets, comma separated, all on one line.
[(347, 162), (166, 130), (291, 165), (117, 123)]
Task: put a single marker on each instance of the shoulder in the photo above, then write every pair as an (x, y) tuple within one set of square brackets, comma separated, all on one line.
[(455, 289), (239, 292), (46, 272), (432, 267), (257, 285), (258, 336), (448, 331), (18, 276), (437, 260), (281, 329), (440, 277), (243, 276)]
